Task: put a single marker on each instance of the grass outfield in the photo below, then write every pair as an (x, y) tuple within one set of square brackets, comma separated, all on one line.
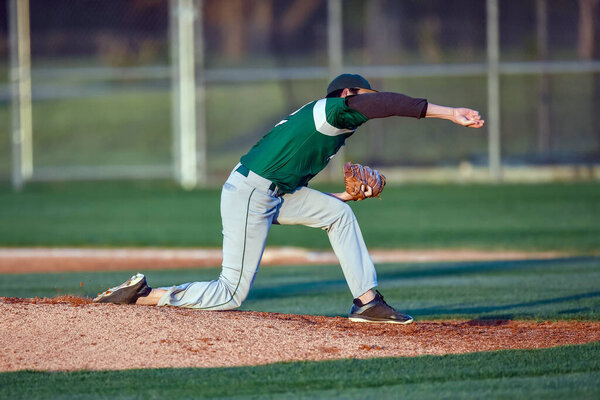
[(556, 373), (532, 289), (558, 217)]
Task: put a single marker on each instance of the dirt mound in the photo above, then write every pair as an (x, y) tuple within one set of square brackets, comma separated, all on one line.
[(66, 299), (71, 333)]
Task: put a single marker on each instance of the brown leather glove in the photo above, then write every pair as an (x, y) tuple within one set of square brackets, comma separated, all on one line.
[(356, 175)]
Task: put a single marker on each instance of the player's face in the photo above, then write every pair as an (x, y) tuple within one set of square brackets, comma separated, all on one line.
[(355, 91), (363, 91)]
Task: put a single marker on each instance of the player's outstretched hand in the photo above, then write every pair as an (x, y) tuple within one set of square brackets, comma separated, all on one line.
[(461, 116), (467, 117)]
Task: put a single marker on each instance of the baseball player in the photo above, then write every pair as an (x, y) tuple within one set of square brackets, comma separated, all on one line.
[(269, 186)]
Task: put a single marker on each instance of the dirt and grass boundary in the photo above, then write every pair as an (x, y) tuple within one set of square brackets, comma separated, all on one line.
[(40, 260)]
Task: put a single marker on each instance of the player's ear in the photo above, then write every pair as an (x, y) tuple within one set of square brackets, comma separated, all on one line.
[(346, 92)]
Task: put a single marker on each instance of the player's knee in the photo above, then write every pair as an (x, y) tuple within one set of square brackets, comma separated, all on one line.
[(345, 213), (233, 287), (233, 303), (236, 299), (343, 216), (230, 305)]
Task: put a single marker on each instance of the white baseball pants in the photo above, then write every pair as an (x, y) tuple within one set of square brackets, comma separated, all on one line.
[(248, 208)]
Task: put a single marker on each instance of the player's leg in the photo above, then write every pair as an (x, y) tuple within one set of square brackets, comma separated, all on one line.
[(247, 214), (316, 209), (152, 299)]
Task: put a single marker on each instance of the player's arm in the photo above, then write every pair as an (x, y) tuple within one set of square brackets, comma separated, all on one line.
[(460, 116), (388, 104), (345, 196)]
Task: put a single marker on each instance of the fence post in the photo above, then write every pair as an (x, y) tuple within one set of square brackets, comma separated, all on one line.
[(493, 85), (20, 76), (544, 79), (201, 126), (184, 89), (336, 61)]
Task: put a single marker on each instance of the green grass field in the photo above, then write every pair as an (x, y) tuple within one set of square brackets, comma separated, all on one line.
[(534, 289), (556, 373), (559, 217)]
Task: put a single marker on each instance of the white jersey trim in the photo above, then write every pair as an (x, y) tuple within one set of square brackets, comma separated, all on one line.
[(320, 118)]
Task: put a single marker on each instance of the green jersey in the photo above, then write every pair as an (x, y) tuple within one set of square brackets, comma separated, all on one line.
[(300, 146)]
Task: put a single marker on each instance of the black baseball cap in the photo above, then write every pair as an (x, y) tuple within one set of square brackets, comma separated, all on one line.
[(349, 81)]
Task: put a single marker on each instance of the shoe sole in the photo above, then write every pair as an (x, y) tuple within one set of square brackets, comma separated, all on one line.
[(387, 321), (135, 279)]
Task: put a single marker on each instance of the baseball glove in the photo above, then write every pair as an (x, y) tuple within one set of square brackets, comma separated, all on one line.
[(356, 175)]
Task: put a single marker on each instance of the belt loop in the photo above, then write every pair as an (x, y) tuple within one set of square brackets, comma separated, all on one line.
[(243, 170), (255, 179)]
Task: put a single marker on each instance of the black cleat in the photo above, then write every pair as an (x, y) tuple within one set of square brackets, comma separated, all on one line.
[(378, 311), (127, 292)]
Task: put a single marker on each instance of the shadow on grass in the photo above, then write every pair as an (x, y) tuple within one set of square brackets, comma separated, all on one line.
[(505, 307), (455, 269), (436, 270)]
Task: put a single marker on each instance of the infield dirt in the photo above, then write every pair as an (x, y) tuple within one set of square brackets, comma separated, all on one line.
[(71, 333)]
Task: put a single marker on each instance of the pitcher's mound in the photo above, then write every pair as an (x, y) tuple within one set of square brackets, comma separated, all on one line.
[(71, 333)]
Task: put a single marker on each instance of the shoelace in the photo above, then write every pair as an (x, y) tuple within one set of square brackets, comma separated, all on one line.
[(379, 297)]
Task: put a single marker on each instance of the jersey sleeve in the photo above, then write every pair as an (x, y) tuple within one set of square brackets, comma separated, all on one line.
[(387, 104), (341, 116)]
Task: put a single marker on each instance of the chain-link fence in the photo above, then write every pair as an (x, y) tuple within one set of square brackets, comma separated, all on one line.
[(100, 88), (103, 80)]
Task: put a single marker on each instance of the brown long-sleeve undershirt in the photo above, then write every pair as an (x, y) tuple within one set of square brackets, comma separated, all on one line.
[(388, 104)]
